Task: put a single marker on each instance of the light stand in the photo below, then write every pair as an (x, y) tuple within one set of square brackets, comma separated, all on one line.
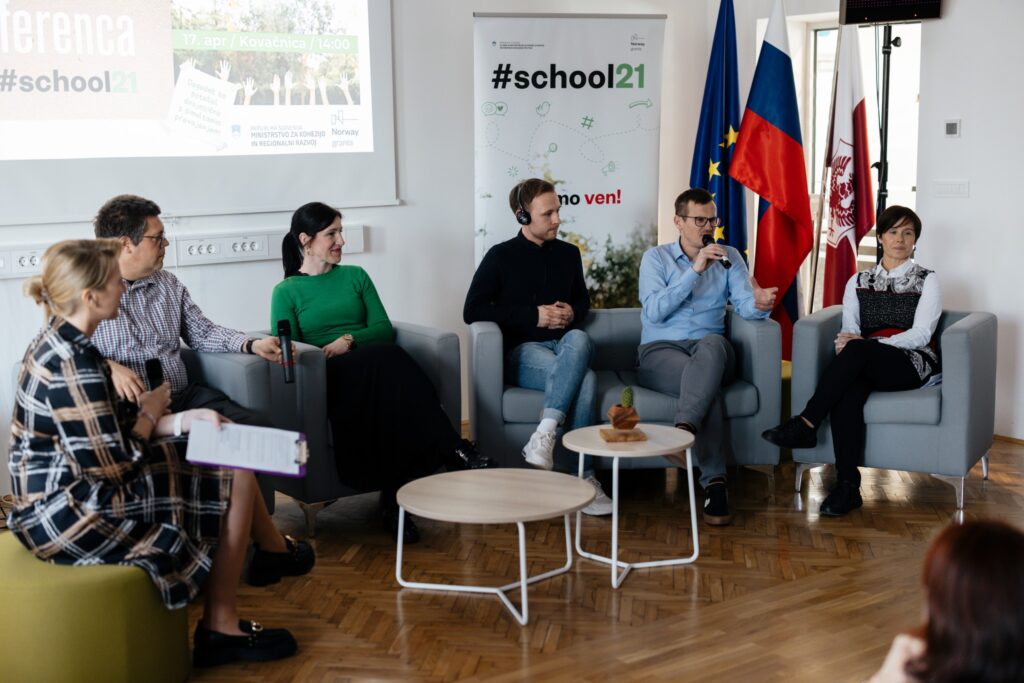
[(888, 43)]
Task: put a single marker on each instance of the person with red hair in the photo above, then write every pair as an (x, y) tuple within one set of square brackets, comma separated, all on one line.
[(974, 628)]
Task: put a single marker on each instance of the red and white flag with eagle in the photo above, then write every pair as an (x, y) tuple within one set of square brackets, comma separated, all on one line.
[(851, 204)]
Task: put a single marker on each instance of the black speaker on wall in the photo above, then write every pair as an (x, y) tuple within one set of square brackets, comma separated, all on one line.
[(887, 11)]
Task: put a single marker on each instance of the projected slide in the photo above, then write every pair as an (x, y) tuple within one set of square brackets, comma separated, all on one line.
[(83, 79)]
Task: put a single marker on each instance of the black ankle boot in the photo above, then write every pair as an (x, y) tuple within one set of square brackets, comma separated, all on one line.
[(844, 498), (410, 534), (465, 456), (793, 433)]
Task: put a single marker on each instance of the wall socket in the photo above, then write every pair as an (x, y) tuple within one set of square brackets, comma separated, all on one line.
[(23, 261)]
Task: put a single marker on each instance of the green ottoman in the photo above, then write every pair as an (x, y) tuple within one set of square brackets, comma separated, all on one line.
[(99, 623)]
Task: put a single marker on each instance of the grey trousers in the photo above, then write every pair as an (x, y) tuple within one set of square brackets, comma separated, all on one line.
[(695, 370)]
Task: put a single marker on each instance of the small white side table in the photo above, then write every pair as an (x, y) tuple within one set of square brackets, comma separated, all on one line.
[(661, 440), (494, 496)]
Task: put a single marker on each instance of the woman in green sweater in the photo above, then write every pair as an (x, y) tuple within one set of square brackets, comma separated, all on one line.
[(389, 427)]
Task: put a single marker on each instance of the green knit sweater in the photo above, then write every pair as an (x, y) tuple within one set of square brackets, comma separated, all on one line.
[(322, 308)]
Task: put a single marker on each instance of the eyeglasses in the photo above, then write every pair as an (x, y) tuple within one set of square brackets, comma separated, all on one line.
[(704, 221), (159, 239)]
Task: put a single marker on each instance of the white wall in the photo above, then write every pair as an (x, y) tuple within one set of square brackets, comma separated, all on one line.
[(970, 70), (420, 254)]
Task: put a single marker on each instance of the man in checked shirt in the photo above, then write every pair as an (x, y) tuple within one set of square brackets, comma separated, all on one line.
[(156, 313)]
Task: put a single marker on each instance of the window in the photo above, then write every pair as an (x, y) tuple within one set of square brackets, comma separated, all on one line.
[(904, 88)]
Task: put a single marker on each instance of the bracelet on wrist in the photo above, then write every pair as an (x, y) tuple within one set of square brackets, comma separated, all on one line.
[(247, 346), (177, 423), (149, 416)]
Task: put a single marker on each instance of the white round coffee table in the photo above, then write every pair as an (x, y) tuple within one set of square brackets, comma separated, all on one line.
[(494, 496), (661, 440)]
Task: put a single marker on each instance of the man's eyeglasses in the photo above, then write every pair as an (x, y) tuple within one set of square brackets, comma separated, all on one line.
[(704, 221), (159, 239)]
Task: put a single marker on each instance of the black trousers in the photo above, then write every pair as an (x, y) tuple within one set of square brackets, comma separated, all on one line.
[(862, 367), (387, 421)]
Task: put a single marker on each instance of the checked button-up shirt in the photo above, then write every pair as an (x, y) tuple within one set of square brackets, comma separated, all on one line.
[(156, 313)]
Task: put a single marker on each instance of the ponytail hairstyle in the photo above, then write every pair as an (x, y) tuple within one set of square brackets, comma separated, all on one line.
[(69, 268), (309, 219)]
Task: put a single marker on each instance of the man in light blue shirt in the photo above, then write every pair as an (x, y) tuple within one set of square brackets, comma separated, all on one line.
[(684, 289)]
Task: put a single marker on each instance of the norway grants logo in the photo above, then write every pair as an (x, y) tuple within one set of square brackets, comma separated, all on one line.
[(840, 195)]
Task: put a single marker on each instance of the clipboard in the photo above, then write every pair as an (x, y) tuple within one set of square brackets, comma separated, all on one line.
[(247, 447)]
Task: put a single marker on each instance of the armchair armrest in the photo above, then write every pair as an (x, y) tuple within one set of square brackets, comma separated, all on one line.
[(487, 378), (243, 377), (813, 349), (437, 353), (968, 349), (758, 346)]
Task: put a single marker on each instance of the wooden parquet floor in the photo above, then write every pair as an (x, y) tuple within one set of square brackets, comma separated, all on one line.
[(781, 595)]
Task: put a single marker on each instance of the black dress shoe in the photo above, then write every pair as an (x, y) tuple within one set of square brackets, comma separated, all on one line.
[(212, 648), (844, 498), (793, 433), (267, 567), (410, 534), (465, 456)]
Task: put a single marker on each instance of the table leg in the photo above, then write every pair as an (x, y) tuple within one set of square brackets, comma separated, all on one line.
[(616, 564), (500, 591)]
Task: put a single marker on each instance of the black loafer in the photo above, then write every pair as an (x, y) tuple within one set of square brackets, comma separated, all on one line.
[(267, 567), (793, 433), (212, 648), (465, 456)]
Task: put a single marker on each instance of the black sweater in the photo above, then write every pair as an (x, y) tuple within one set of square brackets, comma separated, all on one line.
[(516, 277)]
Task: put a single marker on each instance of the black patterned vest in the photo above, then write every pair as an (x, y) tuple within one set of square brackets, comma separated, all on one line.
[(887, 307)]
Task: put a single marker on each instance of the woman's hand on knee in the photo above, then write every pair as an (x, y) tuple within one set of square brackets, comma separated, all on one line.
[(189, 417), (843, 338)]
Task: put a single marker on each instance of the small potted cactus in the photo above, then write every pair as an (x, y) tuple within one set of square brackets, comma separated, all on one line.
[(623, 415)]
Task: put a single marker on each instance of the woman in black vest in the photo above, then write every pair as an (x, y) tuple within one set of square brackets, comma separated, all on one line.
[(889, 316)]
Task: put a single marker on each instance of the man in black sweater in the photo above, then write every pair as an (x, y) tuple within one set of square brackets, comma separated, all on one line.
[(532, 286)]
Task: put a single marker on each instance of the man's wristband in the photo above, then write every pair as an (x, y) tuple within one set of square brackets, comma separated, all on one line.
[(247, 346), (177, 423)]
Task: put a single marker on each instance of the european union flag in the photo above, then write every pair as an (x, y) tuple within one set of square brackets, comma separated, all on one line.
[(716, 135)]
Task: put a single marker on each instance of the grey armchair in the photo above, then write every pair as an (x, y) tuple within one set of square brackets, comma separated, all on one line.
[(503, 416), (940, 430), (302, 406)]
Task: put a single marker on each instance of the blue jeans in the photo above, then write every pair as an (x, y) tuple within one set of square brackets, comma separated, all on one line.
[(561, 369)]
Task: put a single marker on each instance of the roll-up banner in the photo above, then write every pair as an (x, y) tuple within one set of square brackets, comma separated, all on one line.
[(576, 100)]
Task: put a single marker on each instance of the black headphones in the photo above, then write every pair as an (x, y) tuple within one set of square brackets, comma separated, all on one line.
[(522, 215)]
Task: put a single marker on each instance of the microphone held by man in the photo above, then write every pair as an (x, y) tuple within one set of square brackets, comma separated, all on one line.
[(708, 239)]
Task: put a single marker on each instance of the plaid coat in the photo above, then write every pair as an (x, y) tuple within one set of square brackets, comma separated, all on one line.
[(86, 492)]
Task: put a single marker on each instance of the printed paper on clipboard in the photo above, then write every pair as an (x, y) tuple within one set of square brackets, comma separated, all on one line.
[(263, 449)]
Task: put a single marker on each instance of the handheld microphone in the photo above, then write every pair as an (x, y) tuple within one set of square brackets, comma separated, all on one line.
[(284, 334), (706, 240), (154, 373)]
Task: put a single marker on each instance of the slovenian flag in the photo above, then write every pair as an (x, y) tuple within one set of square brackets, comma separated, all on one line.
[(769, 159), (851, 203), (716, 135)]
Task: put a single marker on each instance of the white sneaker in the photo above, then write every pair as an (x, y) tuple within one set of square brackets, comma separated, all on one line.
[(602, 504), (539, 452)]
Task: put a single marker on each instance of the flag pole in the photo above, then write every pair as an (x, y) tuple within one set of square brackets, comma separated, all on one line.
[(824, 175)]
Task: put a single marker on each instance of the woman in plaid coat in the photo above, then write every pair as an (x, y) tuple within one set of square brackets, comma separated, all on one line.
[(90, 487)]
